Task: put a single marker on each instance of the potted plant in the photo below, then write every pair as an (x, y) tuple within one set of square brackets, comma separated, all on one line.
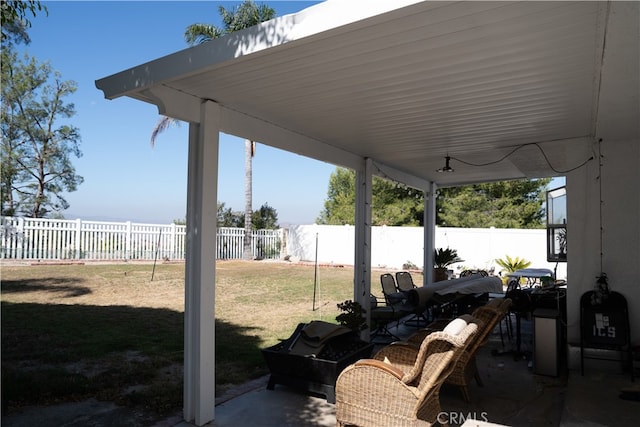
[(509, 265), (352, 316), (442, 258)]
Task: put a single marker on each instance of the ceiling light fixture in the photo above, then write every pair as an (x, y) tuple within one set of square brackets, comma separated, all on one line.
[(446, 167)]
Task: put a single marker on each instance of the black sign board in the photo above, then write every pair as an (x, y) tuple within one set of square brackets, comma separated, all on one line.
[(606, 324)]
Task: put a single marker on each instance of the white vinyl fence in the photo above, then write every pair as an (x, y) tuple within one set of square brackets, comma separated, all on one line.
[(55, 239), (392, 247), (397, 247)]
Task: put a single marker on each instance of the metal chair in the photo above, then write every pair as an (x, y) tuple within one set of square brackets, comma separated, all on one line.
[(390, 291), (405, 283), (382, 315)]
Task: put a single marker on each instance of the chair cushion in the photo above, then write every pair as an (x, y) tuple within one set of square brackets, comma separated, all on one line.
[(455, 326)]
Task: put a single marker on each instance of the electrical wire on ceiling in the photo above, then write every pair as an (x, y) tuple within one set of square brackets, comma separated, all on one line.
[(600, 157), (562, 172)]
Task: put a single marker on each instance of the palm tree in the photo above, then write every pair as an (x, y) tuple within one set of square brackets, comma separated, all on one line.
[(163, 124), (245, 15)]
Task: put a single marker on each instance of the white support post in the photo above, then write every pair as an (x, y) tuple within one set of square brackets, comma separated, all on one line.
[(362, 272), (199, 330), (429, 232)]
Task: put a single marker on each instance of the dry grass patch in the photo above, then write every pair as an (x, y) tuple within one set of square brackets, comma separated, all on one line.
[(75, 331)]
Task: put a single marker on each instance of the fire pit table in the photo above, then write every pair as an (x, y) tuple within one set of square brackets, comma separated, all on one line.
[(312, 364)]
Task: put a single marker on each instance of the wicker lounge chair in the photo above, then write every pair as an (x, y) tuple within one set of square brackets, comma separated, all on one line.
[(391, 391), (466, 367)]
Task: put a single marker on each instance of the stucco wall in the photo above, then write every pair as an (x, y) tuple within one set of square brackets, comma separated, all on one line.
[(618, 228), (611, 184)]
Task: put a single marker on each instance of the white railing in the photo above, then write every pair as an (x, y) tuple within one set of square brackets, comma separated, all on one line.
[(55, 239)]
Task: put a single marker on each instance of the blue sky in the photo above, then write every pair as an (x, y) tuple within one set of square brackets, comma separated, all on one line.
[(124, 178)]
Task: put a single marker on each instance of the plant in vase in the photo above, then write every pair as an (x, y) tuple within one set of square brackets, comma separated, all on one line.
[(509, 265), (443, 258)]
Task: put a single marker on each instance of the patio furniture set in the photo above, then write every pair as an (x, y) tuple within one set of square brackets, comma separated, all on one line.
[(400, 385)]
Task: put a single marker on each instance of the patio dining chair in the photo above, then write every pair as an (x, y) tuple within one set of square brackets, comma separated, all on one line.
[(467, 273), (405, 283), (382, 315), (390, 391), (390, 290)]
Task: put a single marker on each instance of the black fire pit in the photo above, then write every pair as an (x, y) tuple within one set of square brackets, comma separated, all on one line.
[(314, 373)]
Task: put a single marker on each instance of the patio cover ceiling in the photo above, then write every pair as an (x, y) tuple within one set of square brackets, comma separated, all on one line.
[(406, 83)]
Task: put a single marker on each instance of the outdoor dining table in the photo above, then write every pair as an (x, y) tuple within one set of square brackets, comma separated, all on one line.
[(532, 275), (447, 291)]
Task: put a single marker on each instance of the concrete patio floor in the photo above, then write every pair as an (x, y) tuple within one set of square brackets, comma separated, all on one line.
[(512, 395)]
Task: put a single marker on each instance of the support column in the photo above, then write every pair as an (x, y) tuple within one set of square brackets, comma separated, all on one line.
[(429, 230), (199, 315), (362, 271)]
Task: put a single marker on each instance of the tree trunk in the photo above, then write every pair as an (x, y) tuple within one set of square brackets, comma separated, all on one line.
[(248, 197)]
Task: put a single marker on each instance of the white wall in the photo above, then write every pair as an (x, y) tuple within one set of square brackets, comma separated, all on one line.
[(620, 259), (612, 189), (394, 246)]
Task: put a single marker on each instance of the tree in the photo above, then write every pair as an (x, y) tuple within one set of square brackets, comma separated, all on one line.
[(506, 204), (229, 218), (249, 150), (37, 146), (339, 207), (392, 204), (245, 15), (14, 23), (265, 218)]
